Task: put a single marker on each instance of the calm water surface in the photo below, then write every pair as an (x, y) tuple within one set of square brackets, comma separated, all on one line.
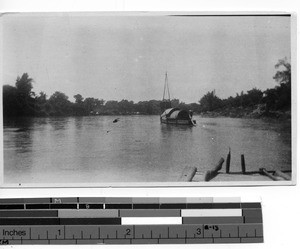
[(135, 149)]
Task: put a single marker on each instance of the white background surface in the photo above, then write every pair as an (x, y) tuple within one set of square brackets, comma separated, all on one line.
[(281, 205)]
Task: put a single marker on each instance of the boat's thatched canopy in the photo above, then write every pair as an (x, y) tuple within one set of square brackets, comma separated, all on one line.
[(176, 113)]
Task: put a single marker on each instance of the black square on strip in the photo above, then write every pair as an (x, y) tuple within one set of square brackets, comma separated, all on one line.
[(63, 206), (37, 206), (29, 221), (172, 206), (12, 206), (146, 206), (251, 205), (90, 221), (118, 206), (199, 205), (91, 206), (226, 205)]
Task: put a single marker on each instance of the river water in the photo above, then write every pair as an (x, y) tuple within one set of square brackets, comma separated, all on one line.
[(136, 148)]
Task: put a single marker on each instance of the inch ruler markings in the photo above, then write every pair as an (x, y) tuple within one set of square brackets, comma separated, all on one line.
[(93, 220)]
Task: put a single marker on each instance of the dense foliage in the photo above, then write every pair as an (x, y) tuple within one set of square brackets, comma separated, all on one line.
[(20, 100), (274, 99)]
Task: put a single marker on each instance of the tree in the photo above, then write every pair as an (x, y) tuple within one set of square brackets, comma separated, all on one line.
[(24, 86), (253, 97), (42, 98), (283, 75), (90, 104), (60, 105), (25, 95), (279, 98), (125, 106), (10, 102), (210, 102), (78, 98)]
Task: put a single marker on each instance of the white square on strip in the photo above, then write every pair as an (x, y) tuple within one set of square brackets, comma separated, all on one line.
[(151, 220), (226, 199)]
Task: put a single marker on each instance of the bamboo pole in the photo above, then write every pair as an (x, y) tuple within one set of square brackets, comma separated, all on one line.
[(243, 164), (228, 162), (210, 174), (283, 175), (265, 172), (188, 174)]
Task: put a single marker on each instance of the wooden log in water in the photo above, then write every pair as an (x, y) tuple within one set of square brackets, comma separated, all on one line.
[(282, 175), (228, 162), (243, 164), (210, 174), (265, 172), (188, 174)]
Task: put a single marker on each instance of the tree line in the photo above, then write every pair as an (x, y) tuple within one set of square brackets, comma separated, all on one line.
[(270, 100), (21, 100)]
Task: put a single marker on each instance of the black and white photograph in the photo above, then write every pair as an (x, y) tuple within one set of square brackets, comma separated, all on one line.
[(147, 99)]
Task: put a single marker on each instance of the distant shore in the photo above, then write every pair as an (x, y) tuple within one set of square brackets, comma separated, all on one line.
[(254, 113)]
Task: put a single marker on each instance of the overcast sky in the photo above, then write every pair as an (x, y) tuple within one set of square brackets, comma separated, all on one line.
[(126, 57)]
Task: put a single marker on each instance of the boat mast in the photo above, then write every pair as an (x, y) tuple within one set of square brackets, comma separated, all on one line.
[(166, 87)]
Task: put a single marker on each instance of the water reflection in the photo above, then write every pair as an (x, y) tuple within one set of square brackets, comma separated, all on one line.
[(59, 123), (20, 124), (168, 129), (79, 121), (135, 149)]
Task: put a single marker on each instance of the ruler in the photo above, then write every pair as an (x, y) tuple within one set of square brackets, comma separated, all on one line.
[(94, 220)]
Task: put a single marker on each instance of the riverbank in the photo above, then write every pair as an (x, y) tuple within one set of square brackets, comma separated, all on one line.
[(249, 112)]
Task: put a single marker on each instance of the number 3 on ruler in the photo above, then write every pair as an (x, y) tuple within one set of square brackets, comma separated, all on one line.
[(198, 231)]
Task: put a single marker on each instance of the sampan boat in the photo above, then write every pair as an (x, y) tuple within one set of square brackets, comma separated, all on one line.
[(177, 116)]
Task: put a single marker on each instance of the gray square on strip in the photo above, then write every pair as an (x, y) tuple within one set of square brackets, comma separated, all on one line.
[(92, 200), (252, 212), (12, 201), (148, 200), (172, 200), (118, 200), (58, 200), (88, 213), (37, 200), (199, 200)]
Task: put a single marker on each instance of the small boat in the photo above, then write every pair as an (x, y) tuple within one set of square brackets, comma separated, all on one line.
[(176, 115)]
